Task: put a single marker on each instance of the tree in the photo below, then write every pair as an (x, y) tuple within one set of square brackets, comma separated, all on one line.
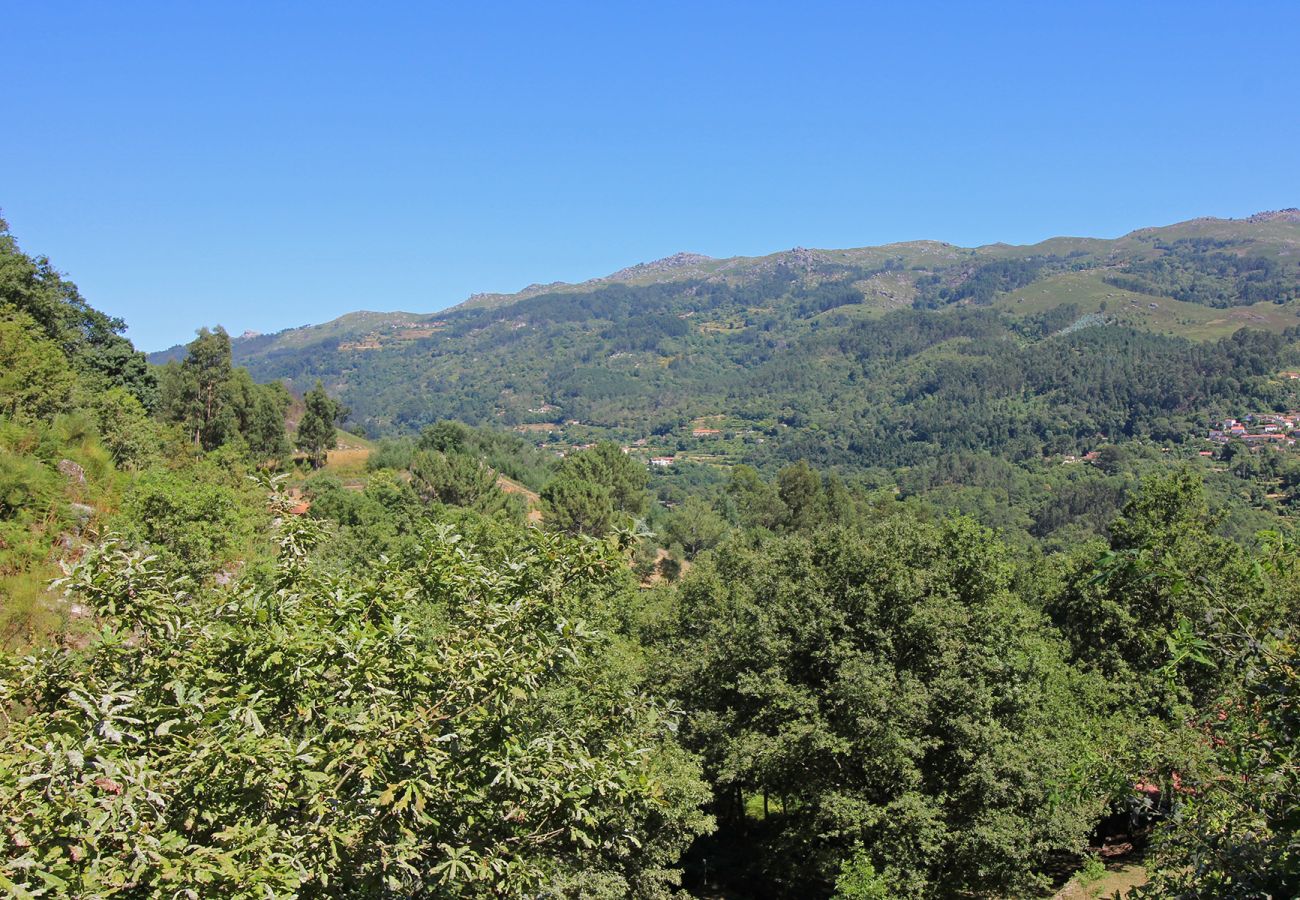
[(574, 506), (858, 879), (594, 491), (125, 428), (91, 341), (259, 412), (35, 381), (887, 689), (696, 526), (606, 464), (800, 489), (447, 436), (316, 431), (218, 404), (1236, 829), (192, 524), (1120, 614), (265, 432), (457, 727), (194, 392), (752, 502), (456, 479)]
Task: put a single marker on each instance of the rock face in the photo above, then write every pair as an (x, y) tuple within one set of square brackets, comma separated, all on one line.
[(1276, 215), (804, 259), (74, 473), (667, 264)]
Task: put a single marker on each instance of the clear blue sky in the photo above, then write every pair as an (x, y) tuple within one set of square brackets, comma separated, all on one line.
[(265, 165)]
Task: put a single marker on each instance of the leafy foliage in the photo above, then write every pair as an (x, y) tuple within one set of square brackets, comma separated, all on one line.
[(1236, 828), (316, 431), (90, 340), (594, 491), (218, 405), (195, 525), (389, 685), (893, 691), (458, 728)]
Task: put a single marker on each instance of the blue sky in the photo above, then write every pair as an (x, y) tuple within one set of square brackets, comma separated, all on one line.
[(266, 165)]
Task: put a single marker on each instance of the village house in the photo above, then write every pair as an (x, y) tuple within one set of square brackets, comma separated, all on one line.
[(1257, 429)]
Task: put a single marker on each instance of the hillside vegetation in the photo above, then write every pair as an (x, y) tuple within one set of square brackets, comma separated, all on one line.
[(875, 626), (877, 348)]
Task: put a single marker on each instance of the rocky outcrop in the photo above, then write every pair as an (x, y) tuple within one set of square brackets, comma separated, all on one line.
[(73, 472), (659, 266), (1277, 215)]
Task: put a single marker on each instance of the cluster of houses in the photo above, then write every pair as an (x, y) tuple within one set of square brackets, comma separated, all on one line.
[(1259, 429), (696, 430)]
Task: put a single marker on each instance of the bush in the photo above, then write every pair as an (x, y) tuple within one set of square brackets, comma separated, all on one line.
[(457, 727), (192, 524), (858, 880)]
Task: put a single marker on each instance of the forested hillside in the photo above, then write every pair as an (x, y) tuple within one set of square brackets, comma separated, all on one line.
[(879, 349), (894, 582)]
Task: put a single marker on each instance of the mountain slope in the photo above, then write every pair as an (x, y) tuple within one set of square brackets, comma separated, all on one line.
[(840, 347)]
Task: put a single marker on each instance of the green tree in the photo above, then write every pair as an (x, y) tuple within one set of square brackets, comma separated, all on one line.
[(889, 689), (195, 525), (195, 392), (752, 502), (460, 727), (1119, 615), (800, 489), (317, 434), (606, 464), (447, 436), (594, 491), (125, 428), (696, 526), (35, 380), (573, 506), (858, 879), (1236, 829), (218, 404), (259, 411), (456, 479), (90, 341)]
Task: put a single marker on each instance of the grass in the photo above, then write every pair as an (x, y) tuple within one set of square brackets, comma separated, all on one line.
[(1118, 878), (1162, 315), (347, 462), (531, 497), (29, 611)]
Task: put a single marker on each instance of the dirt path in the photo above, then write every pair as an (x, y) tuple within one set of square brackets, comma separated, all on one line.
[(510, 486), (1120, 877), (655, 577)]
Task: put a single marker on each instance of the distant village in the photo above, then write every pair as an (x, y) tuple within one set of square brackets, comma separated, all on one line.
[(654, 452), (1258, 429), (1255, 429)]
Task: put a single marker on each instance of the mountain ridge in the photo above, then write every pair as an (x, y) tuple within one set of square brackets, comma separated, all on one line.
[(840, 355), (685, 265)]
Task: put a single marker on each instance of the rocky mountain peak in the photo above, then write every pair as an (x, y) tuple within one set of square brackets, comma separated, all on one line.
[(667, 264), (1277, 215)]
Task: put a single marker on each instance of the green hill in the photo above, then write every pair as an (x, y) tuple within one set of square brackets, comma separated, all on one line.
[(868, 356)]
